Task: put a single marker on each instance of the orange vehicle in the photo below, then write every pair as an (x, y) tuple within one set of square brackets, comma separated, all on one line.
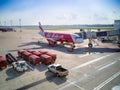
[(53, 55), (30, 50), (20, 52), (46, 59), (33, 59), (26, 55), (37, 53), (3, 62), (42, 51)]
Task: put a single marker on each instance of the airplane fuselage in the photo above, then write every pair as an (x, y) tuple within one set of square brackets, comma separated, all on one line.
[(53, 37), (59, 37)]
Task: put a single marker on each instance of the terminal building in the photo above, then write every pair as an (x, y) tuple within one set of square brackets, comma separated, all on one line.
[(117, 24)]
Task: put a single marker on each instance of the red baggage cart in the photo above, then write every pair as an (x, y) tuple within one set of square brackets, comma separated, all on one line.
[(37, 53), (20, 52), (53, 55), (26, 55), (33, 59), (42, 51), (30, 50), (46, 59), (3, 62)]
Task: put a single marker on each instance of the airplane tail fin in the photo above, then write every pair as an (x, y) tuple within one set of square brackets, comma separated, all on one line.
[(41, 30)]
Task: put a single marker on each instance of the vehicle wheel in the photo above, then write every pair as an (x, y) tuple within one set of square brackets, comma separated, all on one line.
[(13, 67), (90, 45), (23, 71), (49, 70), (58, 75), (119, 45)]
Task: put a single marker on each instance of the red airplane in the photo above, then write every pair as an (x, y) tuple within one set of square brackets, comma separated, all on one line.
[(53, 37)]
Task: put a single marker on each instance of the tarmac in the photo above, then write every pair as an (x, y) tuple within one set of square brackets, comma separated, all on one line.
[(96, 68)]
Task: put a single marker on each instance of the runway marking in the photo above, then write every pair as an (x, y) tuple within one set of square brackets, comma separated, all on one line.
[(107, 65), (36, 83), (107, 81), (84, 55), (71, 83), (87, 63)]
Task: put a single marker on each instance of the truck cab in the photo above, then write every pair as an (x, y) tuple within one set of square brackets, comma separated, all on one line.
[(58, 70), (20, 66)]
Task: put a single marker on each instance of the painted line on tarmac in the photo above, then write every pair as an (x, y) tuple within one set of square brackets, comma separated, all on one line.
[(107, 81), (36, 83), (106, 66), (71, 83), (87, 63), (84, 55)]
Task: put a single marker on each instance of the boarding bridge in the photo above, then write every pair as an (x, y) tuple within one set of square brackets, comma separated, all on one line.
[(111, 35), (108, 33)]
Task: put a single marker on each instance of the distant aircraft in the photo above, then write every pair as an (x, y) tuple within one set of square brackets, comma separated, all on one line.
[(6, 29), (53, 37)]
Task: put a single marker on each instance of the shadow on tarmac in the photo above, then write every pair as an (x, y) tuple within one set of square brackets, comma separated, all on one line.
[(12, 74), (56, 80), (49, 77), (62, 48)]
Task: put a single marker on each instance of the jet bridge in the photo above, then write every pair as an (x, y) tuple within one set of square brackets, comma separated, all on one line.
[(106, 35), (111, 35)]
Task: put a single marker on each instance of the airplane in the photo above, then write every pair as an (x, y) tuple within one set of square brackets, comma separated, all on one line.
[(6, 29), (53, 37)]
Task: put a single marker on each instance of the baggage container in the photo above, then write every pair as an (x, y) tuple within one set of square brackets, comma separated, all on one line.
[(43, 51), (20, 52), (46, 59), (26, 55), (3, 62), (33, 59), (37, 53), (53, 55), (30, 50)]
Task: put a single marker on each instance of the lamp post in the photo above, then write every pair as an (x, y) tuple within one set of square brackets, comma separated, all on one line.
[(0, 23), (20, 25), (4, 23), (11, 23)]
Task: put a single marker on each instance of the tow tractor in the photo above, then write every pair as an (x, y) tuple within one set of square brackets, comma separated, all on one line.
[(20, 66)]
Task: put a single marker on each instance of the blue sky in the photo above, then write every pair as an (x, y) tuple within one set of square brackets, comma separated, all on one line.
[(59, 12)]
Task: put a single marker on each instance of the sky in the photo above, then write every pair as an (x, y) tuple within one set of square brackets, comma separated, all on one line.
[(59, 12)]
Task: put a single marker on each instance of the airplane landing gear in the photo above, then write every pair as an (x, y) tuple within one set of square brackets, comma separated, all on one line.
[(90, 45), (52, 43), (71, 48)]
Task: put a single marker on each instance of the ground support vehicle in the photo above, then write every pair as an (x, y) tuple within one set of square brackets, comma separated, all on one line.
[(58, 70), (52, 55), (37, 53), (30, 50), (43, 51), (26, 55), (20, 52), (33, 59), (10, 58), (36, 57), (20, 66), (3, 62), (46, 59)]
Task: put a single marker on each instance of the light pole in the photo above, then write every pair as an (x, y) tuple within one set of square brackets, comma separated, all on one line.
[(0, 23), (20, 25), (11, 23), (4, 23)]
